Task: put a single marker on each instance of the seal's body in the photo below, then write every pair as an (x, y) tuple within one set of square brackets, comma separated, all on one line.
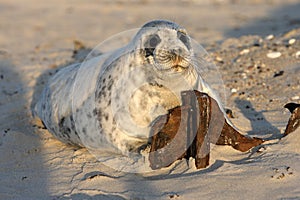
[(109, 102)]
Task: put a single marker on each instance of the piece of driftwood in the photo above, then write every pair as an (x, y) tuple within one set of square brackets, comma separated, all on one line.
[(294, 121), (187, 131)]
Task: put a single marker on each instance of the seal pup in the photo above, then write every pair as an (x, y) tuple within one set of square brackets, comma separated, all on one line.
[(108, 102)]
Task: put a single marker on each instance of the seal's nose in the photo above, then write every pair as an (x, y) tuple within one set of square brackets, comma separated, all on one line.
[(177, 55), (177, 52)]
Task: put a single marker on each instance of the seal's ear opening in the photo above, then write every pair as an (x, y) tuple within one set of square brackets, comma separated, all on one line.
[(291, 106)]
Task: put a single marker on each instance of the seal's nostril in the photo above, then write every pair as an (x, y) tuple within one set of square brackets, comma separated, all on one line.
[(177, 52), (180, 51)]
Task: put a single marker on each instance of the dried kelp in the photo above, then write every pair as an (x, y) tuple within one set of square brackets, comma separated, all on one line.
[(294, 121), (187, 131)]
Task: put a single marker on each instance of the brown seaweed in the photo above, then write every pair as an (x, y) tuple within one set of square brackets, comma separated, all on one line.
[(187, 131), (294, 121)]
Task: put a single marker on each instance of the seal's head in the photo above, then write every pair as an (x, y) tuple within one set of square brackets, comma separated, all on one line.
[(165, 45)]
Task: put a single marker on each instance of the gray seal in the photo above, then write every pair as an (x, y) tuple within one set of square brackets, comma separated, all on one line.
[(108, 102)]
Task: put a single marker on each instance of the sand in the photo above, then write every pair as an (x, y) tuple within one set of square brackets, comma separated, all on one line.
[(243, 38)]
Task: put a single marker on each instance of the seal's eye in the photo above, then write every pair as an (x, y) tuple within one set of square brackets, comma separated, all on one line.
[(184, 39), (154, 40), (151, 44)]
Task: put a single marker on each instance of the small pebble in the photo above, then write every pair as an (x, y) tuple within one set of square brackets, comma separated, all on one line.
[(274, 55), (219, 59), (270, 37), (244, 75), (233, 90), (244, 51), (298, 54), (292, 41), (295, 98), (250, 67), (279, 73)]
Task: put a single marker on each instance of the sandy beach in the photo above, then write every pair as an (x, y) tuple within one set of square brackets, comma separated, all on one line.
[(254, 43)]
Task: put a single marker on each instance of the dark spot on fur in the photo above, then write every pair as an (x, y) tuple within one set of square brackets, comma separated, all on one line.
[(95, 112), (110, 84), (61, 122), (64, 131), (72, 122), (99, 113), (156, 84), (109, 93), (66, 128), (113, 128), (102, 93)]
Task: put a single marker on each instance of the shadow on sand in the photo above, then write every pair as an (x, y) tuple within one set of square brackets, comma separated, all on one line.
[(259, 123), (21, 162)]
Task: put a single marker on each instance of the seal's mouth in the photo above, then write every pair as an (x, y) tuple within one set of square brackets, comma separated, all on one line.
[(172, 68), (172, 63), (175, 68)]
